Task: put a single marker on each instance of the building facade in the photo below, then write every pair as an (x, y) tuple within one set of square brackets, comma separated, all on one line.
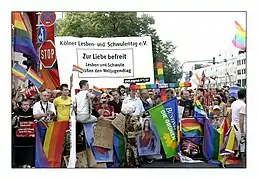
[(228, 72)]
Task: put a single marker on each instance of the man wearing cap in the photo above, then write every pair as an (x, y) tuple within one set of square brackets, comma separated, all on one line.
[(217, 119), (132, 99)]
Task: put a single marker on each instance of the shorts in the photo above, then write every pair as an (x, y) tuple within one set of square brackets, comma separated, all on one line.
[(86, 118)]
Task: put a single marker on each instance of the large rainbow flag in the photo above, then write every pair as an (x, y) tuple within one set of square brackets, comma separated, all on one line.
[(49, 143), (215, 141), (239, 39), (22, 38), (191, 128)]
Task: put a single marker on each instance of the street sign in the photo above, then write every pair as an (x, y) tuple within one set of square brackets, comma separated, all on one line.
[(48, 18), (47, 52), (42, 34)]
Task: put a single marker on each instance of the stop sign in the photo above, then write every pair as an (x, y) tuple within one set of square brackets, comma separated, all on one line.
[(47, 52)]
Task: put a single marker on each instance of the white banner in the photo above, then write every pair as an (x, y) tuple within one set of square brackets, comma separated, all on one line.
[(106, 61)]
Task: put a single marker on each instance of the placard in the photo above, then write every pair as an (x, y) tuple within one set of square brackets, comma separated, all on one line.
[(103, 134), (119, 123), (26, 129), (118, 58), (81, 160)]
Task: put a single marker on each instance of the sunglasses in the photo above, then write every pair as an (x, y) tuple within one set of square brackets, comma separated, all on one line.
[(215, 100)]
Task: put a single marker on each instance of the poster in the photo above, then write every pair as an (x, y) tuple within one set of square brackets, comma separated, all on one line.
[(103, 134), (81, 160), (149, 142), (119, 123), (100, 154), (115, 58)]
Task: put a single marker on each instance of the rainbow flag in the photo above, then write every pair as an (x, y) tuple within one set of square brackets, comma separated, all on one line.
[(229, 142), (19, 72), (97, 91), (213, 141), (40, 156), (22, 38), (195, 78), (49, 143), (160, 72), (191, 128), (199, 112), (239, 39), (78, 69), (119, 144), (34, 78)]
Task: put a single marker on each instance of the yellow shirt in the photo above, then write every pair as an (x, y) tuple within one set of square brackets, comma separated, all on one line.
[(63, 108)]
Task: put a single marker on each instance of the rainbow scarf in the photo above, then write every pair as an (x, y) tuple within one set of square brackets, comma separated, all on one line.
[(19, 72), (78, 69), (239, 39), (21, 37), (49, 143), (34, 78)]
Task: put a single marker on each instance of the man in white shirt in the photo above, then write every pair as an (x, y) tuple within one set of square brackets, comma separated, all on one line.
[(132, 99), (238, 112), (83, 104), (44, 110)]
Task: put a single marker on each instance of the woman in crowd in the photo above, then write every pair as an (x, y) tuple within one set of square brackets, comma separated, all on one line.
[(122, 92), (218, 101), (104, 109)]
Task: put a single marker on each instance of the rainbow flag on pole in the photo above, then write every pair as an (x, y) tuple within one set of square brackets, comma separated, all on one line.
[(195, 78), (21, 37), (19, 72), (96, 91), (239, 39), (78, 69), (34, 78)]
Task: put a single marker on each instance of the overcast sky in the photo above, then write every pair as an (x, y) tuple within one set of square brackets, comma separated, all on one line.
[(198, 35)]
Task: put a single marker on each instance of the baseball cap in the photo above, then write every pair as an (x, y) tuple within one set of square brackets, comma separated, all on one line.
[(216, 107)]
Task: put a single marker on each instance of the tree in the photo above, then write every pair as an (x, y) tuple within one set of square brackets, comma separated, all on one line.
[(122, 24)]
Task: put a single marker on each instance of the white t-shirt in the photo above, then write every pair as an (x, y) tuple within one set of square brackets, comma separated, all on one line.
[(38, 109), (136, 102), (83, 103), (238, 107)]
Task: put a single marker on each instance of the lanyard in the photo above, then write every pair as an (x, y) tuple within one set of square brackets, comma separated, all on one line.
[(43, 107)]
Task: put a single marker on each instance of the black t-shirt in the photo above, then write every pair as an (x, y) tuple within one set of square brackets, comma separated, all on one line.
[(187, 104), (117, 106), (24, 116)]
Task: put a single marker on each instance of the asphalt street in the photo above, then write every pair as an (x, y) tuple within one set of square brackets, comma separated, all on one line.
[(170, 164)]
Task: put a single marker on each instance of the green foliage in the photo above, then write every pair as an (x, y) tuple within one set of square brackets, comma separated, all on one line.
[(122, 24)]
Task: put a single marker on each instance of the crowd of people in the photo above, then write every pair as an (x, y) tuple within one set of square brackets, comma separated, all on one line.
[(55, 106)]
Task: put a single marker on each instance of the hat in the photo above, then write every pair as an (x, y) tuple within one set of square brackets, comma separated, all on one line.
[(216, 107), (104, 95)]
